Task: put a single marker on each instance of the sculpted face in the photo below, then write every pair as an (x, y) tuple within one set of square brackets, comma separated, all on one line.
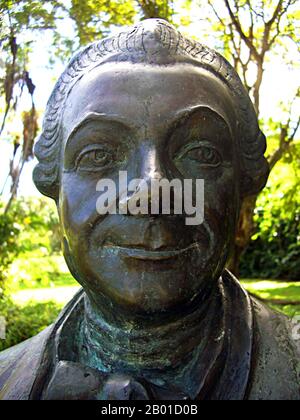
[(163, 122)]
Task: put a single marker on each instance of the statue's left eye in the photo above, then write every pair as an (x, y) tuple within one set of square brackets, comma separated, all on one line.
[(95, 159), (101, 157), (204, 155)]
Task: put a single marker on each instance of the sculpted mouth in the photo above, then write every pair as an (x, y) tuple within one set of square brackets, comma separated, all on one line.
[(148, 254)]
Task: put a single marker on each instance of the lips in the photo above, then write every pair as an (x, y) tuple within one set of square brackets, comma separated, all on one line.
[(145, 254), (160, 240)]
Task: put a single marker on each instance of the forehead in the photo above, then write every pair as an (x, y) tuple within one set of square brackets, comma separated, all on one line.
[(146, 95)]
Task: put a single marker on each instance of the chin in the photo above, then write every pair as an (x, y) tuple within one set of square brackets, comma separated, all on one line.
[(143, 284), (156, 290)]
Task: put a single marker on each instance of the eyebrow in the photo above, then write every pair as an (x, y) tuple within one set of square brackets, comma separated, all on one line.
[(185, 114), (180, 117), (101, 117)]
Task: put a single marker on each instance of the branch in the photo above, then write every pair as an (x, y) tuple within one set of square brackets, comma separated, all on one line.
[(257, 85), (27, 145), (257, 14), (236, 55), (277, 15), (242, 34), (285, 143), (216, 13), (292, 136), (285, 139), (251, 30), (270, 43), (10, 78), (150, 9)]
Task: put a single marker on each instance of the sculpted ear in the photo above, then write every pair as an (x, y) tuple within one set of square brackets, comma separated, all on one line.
[(46, 173)]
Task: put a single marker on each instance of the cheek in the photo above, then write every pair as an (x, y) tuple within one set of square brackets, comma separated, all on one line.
[(227, 197), (77, 205), (222, 199)]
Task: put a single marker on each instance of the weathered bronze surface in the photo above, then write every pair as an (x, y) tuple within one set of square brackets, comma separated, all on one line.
[(159, 316)]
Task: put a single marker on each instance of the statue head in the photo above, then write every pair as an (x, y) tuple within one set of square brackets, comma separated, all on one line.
[(156, 105)]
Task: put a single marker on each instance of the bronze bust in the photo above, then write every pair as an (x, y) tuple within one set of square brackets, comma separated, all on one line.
[(159, 316)]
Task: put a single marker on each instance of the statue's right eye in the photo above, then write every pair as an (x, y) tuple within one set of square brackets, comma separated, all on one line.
[(94, 159)]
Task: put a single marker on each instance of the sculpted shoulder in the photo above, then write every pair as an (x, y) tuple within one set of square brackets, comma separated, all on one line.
[(19, 366), (276, 373)]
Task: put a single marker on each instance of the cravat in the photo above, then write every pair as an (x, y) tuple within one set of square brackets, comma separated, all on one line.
[(73, 381)]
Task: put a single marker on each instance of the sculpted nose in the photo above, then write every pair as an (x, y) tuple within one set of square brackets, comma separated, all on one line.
[(147, 167), (152, 166), (150, 170)]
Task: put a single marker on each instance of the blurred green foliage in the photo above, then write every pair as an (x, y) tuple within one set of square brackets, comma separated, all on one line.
[(25, 322), (273, 291), (274, 251), (29, 231), (34, 269), (9, 248)]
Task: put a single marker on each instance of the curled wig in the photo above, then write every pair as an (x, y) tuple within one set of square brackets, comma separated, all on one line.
[(156, 42)]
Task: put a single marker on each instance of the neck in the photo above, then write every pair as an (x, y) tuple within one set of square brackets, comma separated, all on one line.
[(145, 348)]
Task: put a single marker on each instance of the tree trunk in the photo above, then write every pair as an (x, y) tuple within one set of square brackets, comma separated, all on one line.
[(246, 228), (14, 188), (151, 9)]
